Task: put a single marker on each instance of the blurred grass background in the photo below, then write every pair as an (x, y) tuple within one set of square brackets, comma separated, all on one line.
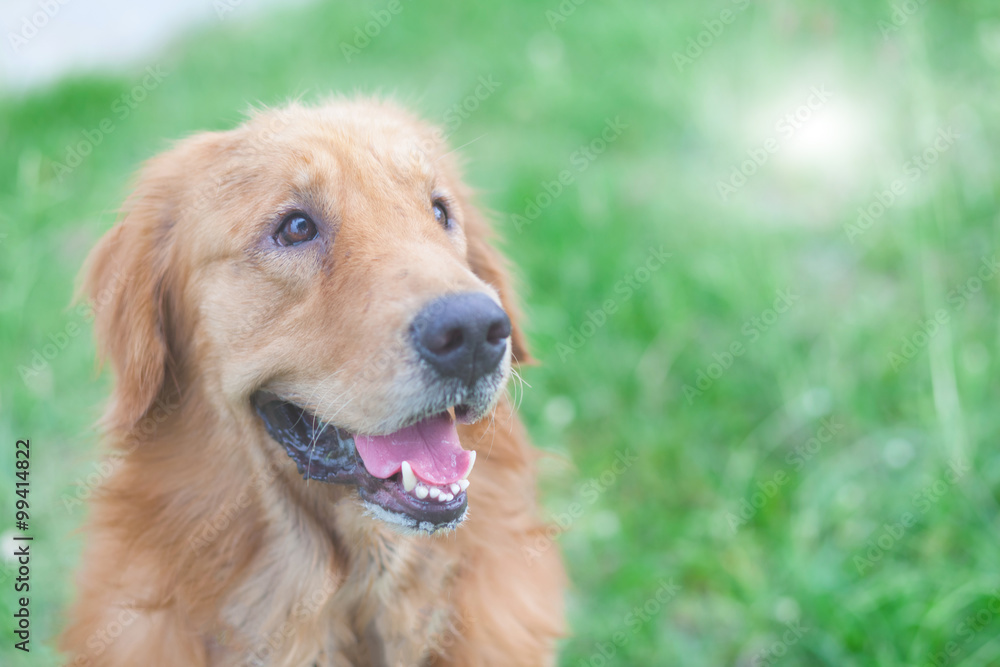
[(742, 534)]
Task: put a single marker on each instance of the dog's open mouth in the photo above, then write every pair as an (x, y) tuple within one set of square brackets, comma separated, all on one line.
[(415, 477)]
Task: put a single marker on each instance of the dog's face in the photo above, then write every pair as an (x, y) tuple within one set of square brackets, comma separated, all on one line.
[(324, 270)]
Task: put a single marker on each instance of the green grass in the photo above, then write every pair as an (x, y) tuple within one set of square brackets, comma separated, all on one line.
[(666, 517)]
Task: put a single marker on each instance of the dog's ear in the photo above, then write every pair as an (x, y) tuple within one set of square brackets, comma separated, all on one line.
[(491, 267), (124, 280)]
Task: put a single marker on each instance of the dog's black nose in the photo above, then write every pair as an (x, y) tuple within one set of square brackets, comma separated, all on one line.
[(462, 336)]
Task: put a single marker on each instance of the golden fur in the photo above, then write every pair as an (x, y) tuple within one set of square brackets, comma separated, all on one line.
[(206, 546)]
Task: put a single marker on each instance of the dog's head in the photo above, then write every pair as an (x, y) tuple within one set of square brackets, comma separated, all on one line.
[(322, 271)]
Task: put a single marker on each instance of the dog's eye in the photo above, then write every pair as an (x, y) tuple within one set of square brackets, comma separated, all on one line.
[(296, 228), (441, 214)]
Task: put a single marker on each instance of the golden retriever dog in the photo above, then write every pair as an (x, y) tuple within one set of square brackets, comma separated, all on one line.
[(315, 459)]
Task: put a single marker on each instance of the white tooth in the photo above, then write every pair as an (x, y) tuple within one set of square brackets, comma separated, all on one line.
[(420, 491), (455, 489), (445, 497), (434, 492), (463, 484), (409, 479), (472, 462)]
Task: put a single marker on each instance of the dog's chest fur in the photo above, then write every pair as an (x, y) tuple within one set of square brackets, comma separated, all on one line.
[(363, 596)]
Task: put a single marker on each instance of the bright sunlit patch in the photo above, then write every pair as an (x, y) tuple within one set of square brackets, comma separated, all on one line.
[(804, 153), (9, 546), (830, 137), (811, 126)]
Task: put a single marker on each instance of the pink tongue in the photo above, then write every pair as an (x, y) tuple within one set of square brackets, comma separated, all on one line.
[(431, 447)]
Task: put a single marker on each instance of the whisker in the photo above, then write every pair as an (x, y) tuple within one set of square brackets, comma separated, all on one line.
[(308, 402), (461, 147), (328, 421), (519, 384), (318, 433)]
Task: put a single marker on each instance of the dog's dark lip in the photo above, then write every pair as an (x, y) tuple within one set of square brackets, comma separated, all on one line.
[(463, 413), (321, 452), (326, 453)]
